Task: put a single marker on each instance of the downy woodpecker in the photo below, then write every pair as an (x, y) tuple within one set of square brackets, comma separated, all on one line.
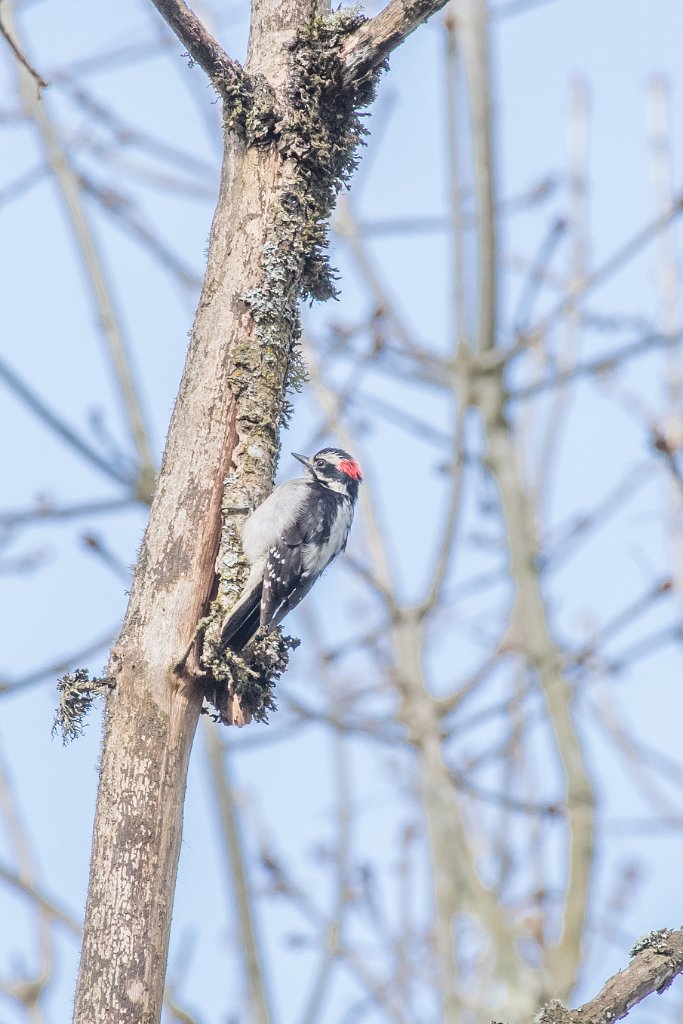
[(290, 540)]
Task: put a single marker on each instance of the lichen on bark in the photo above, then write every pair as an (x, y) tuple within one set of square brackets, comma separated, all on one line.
[(315, 127), (77, 692)]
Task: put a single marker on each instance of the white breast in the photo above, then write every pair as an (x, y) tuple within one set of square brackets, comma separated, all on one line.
[(316, 559)]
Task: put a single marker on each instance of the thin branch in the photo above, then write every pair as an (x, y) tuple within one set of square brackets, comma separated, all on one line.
[(510, 803), (526, 200), (369, 46), (356, 964), (330, 939), (103, 299), (178, 1014), (665, 447), (657, 959), (448, 535), (611, 265), (122, 209), (111, 59), (600, 365), (457, 192), (201, 45), (239, 878), (560, 545), (18, 53), (45, 904), (401, 417), (624, 618), (446, 705), (669, 278), (27, 990), (537, 275), (58, 665), (577, 223), (645, 776), (45, 511), (59, 427), (24, 183), (474, 30), (532, 625), (346, 225), (127, 135), (95, 545), (627, 657)]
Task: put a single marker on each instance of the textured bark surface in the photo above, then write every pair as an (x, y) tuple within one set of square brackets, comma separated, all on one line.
[(152, 712), (656, 960), (374, 41), (290, 136)]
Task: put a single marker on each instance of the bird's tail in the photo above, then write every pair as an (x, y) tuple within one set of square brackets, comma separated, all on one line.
[(242, 623)]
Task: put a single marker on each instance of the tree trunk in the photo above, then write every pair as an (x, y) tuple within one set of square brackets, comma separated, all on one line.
[(291, 130)]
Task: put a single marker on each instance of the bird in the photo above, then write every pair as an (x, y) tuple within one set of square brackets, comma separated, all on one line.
[(289, 541)]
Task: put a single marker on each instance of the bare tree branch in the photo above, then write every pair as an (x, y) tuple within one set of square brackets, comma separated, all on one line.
[(44, 511), (19, 54), (532, 626), (27, 989), (201, 45), (657, 959), (47, 905), (600, 365), (56, 666), (101, 293), (59, 427), (370, 45), (236, 864), (473, 26), (608, 268)]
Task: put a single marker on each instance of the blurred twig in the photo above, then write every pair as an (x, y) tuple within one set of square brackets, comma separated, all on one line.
[(329, 941), (56, 424), (668, 281), (56, 666), (68, 182), (608, 268), (8, 35), (30, 988), (252, 957), (473, 26), (52, 909)]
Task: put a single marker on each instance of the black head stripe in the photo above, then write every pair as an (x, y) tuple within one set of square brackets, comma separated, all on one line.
[(339, 452)]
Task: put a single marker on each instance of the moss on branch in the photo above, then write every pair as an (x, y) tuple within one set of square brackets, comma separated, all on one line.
[(77, 692)]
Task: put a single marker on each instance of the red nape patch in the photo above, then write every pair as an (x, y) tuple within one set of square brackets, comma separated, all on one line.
[(351, 469)]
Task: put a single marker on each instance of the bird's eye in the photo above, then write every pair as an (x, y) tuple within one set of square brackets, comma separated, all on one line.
[(320, 463)]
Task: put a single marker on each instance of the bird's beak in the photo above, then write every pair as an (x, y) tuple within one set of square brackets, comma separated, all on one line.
[(302, 458)]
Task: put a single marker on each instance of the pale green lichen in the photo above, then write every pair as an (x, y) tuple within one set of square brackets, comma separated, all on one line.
[(249, 109), (250, 675), (553, 1012), (77, 692), (655, 940), (322, 131)]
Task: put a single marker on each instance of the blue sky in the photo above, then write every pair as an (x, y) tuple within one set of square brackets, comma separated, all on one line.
[(48, 333)]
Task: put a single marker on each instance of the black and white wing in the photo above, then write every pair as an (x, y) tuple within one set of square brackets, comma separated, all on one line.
[(287, 578)]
